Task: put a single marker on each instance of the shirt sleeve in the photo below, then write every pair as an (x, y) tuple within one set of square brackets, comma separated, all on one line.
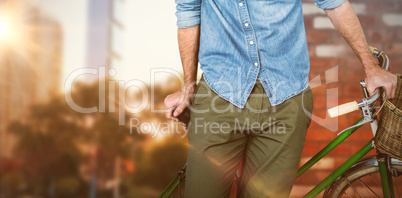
[(328, 4), (188, 13)]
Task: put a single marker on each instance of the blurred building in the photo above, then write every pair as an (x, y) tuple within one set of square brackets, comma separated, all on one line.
[(30, 63), (105, 33)]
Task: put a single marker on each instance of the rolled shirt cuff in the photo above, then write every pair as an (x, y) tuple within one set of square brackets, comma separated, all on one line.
[(329, 4), (188, 19)]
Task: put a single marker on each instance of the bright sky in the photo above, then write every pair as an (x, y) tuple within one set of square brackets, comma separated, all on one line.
[(72, 16), (150, 36)]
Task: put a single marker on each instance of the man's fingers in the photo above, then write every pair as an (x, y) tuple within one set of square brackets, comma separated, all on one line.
[(394, 86), (168, 113), (382, 78), (168, 108), (179, 109), (175, 104), (391, 92), (390, 88)]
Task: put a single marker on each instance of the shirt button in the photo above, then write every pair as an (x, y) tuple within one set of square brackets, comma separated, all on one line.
[(256, 64), (246, 24), (251, 42), (240, 4)]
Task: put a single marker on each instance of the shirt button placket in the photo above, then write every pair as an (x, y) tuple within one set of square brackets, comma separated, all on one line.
[(249, 32)]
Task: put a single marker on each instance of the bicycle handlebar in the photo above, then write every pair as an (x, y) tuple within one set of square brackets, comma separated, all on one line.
[(353, 106), (343, 109)]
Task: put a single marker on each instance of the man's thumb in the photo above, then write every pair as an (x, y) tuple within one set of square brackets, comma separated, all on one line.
[(372, 90)]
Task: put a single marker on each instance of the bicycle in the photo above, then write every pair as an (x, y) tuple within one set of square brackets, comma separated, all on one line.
[(374, 173)]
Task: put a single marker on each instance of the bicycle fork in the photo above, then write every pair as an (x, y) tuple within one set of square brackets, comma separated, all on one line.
[(384, 166)]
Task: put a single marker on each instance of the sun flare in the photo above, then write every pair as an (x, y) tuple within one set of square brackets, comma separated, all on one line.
[(5, 28)]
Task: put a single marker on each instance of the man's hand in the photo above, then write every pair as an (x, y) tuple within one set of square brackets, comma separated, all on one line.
[(379, 77), (189, 41), (180, 99)]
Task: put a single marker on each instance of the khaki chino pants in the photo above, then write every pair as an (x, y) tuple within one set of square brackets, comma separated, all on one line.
[(270, 138)]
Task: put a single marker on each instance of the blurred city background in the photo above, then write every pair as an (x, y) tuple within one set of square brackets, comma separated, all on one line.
[(47, 149)]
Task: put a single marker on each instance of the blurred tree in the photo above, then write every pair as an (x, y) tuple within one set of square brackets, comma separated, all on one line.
[(161, 163), (46, 149), (12, 181), (52, 143), (67, 187), (60, 150)]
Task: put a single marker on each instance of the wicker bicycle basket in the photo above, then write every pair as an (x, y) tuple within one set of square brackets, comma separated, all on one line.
[(388, 138)]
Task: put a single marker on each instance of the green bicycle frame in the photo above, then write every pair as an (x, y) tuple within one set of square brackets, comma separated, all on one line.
[(385, 177), (340, 170), (175, 182), (333, 144)]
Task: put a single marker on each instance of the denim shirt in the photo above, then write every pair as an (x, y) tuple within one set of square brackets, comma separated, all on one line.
[(242, 40)]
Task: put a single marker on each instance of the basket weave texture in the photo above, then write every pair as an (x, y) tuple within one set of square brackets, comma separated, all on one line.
[(388, 138)]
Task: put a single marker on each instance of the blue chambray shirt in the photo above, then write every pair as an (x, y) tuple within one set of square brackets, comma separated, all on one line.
[(244, 39)]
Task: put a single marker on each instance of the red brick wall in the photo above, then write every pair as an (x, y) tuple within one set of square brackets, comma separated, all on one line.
[(382, 24)]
